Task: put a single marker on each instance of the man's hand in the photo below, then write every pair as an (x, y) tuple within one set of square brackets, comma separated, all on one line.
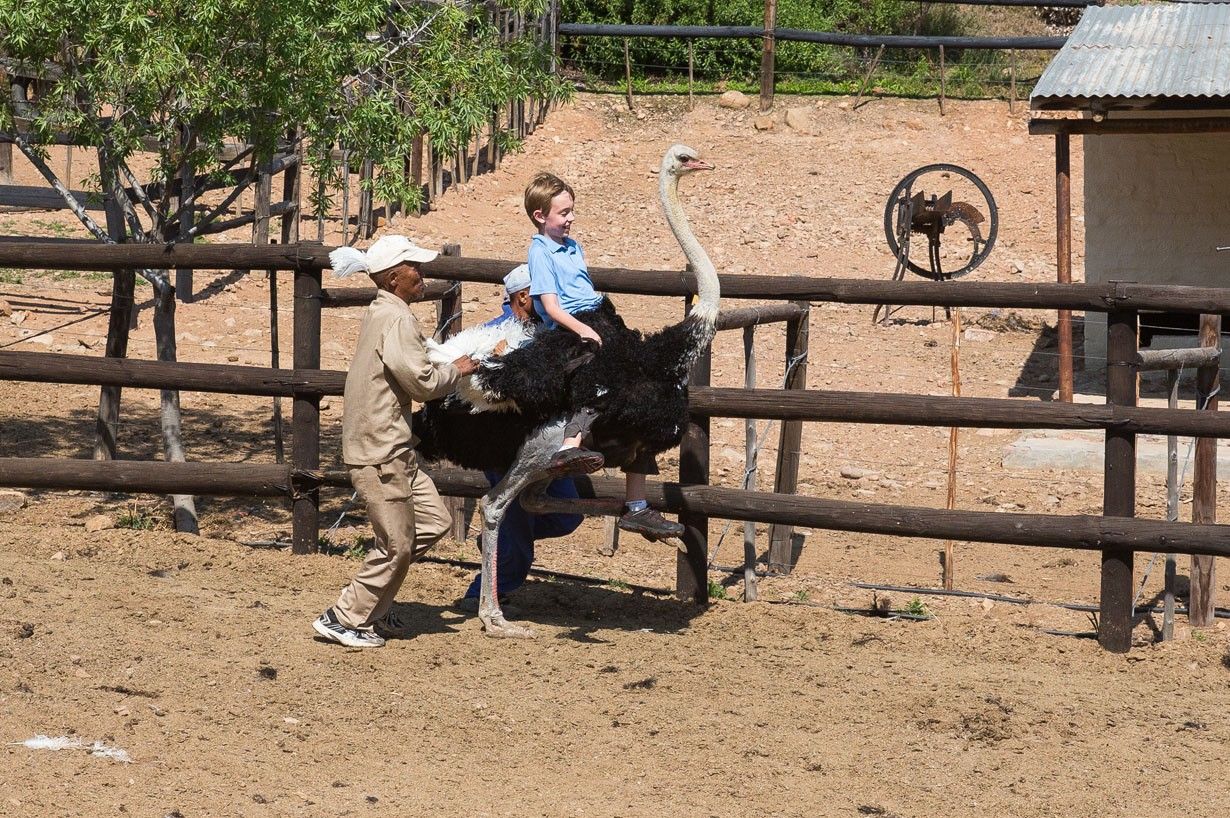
[(500, 348), (466, 365)]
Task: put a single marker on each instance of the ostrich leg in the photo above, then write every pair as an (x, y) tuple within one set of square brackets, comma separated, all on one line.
[(530, 467)]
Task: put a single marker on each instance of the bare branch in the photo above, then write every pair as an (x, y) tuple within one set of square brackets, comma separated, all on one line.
[(54, 180)]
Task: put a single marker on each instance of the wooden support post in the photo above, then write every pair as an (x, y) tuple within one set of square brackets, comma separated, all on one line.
[(416, 168), (1172, 506), (1063, 257), (292, 193), (262, 195), (767, 55), (949, 557), (628, 73), (943, 80), (345, 196), (279, 453), (1011, 80), (123, 290), (750, 591), (305, 416), (610, 537), (6, 164), (366, 199), (691, 64), (320, 200), (448, 324), (692, 567), (493, 129), (781, 537), (1204, 486), (1119, 483), (858, 100)]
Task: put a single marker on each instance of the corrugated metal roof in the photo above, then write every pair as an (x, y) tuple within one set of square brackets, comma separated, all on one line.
[(1178, 51)]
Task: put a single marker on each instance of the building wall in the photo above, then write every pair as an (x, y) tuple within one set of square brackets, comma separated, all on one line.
[(1156, 207)]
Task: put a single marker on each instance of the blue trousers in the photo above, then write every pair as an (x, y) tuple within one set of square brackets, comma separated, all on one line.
[(520, 530)]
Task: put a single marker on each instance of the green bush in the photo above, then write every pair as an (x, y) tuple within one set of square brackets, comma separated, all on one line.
[(728, 58)]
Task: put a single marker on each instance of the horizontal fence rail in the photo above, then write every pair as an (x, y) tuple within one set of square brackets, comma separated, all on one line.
[(1088, 297), (816, 405), (820, 37), (1042, 530)]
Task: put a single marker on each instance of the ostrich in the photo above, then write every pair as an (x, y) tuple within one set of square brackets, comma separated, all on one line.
[(632, 390)]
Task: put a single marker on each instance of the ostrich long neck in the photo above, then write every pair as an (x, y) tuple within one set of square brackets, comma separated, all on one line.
[(708, 288)]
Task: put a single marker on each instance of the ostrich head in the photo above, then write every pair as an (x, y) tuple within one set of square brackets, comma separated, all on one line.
[(681, 160)]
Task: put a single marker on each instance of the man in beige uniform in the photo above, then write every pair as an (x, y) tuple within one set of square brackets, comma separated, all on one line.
[(389, 370)]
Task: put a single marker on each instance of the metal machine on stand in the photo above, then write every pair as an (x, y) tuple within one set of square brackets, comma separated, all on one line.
[(912, 212)]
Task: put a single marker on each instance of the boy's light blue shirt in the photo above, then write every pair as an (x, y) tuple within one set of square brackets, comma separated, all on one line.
[(560, 269)]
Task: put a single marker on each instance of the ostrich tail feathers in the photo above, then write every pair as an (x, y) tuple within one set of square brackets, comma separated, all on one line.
[(347, 261)]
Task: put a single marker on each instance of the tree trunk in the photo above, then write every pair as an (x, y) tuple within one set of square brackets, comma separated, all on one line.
[(184, 506)]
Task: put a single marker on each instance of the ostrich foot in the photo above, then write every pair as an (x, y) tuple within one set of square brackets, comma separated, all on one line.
[(497, 627)]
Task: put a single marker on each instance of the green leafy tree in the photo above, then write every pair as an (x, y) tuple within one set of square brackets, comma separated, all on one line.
[(180, 78)]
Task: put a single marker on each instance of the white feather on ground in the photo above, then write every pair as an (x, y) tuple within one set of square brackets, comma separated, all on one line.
[(97, 748), (479, 342)]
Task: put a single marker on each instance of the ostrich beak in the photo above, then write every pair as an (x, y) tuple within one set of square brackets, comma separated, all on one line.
[(697, 164)]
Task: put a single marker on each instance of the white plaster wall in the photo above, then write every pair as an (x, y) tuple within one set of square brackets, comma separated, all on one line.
[(1156, 207)]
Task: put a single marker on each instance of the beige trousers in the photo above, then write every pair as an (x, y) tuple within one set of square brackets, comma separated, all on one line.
[(408, 517)]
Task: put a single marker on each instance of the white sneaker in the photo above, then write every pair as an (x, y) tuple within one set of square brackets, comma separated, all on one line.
[(327, 626)]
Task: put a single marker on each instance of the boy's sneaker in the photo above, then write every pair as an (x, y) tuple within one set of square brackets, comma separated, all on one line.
[(649, 524), (574, 460), (327, 626)]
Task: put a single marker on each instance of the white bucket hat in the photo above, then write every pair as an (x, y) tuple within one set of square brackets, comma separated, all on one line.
[(385, 252), (518, 279)]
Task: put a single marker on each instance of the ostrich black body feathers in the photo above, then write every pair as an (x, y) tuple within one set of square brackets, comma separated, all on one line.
[(636, 384)]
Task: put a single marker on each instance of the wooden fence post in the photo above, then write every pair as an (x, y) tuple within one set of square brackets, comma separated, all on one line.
[(345, 196), (305, 416), (1063, 258), (692, 567), (628, 73), (366, 199), (750, 457), (943, 82), (448, 324), (781, 537), (291, 192), (1119, 482), (1172, 507), (262, 195), (1012, 80), (691, 63), (1204, 486), (767, 55)]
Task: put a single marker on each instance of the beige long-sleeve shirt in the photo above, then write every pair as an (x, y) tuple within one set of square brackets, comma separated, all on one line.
[(389, 370)]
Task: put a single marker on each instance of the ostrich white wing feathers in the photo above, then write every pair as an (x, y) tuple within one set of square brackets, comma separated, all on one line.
[(479, 342)]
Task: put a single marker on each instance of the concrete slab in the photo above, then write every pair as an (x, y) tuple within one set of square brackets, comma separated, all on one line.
[(1083, 450)]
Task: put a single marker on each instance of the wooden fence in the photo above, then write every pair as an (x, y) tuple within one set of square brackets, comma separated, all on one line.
[(1116, 534), (770, 34)]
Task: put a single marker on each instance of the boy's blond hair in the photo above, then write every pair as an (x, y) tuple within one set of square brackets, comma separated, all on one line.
[(540, 191)]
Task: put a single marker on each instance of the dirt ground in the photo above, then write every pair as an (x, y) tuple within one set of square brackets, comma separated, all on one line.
[(196, 657)]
